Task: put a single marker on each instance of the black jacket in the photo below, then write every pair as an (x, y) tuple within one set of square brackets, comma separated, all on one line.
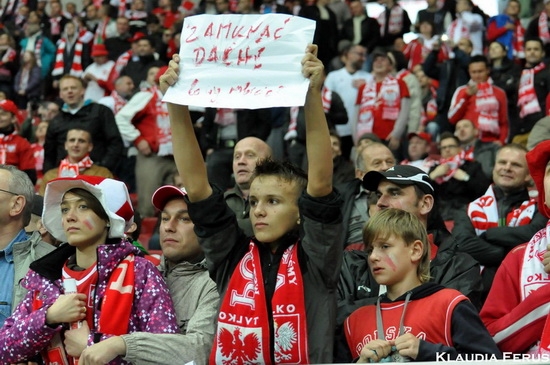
[(357, 287), (94, 118), (370, 32)]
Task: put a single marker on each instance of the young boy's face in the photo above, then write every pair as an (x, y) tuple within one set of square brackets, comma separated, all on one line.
[(273, 207), (392, 261)]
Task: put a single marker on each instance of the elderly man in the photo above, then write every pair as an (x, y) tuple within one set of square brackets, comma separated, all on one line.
[(17, 249), (504, 217)]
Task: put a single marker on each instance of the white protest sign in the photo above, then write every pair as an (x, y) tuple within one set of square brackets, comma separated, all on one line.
[(242, 61)]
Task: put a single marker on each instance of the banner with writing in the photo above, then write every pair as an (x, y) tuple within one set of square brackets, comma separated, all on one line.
[(242, 61)]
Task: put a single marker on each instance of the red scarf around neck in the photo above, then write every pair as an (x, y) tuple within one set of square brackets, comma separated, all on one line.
[(69, 169), (243, 334), (527, 96)]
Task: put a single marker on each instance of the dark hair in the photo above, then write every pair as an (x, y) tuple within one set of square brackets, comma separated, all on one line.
[(534, 39), (281, 169), (502, 45), (91, 201), (430, 23), (479, 59), (400, 60), (446, 135)]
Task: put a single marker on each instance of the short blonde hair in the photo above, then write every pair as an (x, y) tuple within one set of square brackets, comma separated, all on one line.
[(402, 225)]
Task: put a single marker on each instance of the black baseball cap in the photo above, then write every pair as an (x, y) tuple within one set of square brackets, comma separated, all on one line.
[(400, 175)]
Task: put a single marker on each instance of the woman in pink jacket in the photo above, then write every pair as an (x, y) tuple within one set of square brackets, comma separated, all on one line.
[(115, 290)]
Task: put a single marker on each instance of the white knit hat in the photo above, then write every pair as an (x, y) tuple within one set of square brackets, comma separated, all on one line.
[(112, 195)]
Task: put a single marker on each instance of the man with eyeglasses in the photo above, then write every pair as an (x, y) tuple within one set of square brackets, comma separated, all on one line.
[(460, 179), (17, 249)]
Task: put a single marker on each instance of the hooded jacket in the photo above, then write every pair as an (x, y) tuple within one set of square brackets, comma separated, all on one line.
[(152, 309)]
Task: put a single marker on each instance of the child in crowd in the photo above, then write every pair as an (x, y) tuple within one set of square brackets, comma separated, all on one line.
[(277, 289), (415, 320), (118, 291)]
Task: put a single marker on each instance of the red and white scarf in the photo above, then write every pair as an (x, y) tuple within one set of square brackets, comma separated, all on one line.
[(454, 163), (487, 107), (243, 335), (55, 27), (101, 31), (120, 63), (76, 67), (326, 97), (483, 213), (292, 124), (396, 20), (527, 97), (69, 169), (430, 111), (119, 101), (5, 145), (533, 277), (164, 134), (121, 8), (116, 308), (37, 50), (389, 99), (457, 30), (519, 40), (544, 33)]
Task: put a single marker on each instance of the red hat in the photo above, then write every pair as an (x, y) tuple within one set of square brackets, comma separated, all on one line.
[(111, 194), (99, 50), (136, 37), (422, 135), (537, 159), (9, 106), (166, 193)]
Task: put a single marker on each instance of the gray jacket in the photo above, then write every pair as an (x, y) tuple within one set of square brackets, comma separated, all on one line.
[(24, 253), (196, 302)]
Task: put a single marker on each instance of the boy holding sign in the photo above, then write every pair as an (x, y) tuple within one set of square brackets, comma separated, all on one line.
[(277, 288)]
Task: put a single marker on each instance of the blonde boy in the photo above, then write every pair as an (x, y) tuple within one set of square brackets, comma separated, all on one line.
[(415, 319)]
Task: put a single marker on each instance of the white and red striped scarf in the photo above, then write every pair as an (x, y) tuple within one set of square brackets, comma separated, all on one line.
[(37, 51), (534, 277), (487, 107), (101, 31), (292, 124), (120, 63), (396, 20), (119, 101), (326, 98), (519, 40), (483, 213), (544, 33), (243, 332), (55, 25), (527, 97), (457, 30), (59, 65), (69, 169), (430, 112), (389, 99), (454, 164)]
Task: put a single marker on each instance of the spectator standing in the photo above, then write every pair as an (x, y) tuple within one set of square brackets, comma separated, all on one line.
[(142, 60), (43, 49), (72, 55), (539, 27), (394, 23), (360, 28), (507, 29), (97, 74), (482, 102), (119, 43), (96, 118), (437, 15), (467, 25), (27, 83), (8, 64)]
